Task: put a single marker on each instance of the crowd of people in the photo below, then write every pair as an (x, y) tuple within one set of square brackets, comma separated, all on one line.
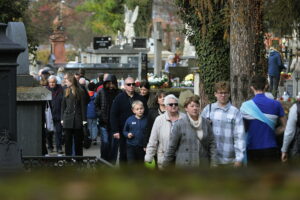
[(138, 126)]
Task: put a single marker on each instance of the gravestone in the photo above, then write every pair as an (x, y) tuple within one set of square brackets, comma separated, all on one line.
[(10, 157), (16, 32), (30, 97), (157, 36)]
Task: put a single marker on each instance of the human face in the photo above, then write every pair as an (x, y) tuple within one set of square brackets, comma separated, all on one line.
[(193, 109), (161, 99), (172, 106), (144, 91), (138, 110), (52, 83), (222, 97), (68, 83), (129, 85)]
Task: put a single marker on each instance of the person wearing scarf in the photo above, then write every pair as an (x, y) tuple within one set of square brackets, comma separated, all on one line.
[(192, 141)]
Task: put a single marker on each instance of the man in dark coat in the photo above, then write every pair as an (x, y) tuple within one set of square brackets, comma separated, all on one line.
[(55, 103), (120, 111), (274, 69), (103, 102)]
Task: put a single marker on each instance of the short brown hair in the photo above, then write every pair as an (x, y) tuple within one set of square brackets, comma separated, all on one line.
[(222, 85), (195, 99)]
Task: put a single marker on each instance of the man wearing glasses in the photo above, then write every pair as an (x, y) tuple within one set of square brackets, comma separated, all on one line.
[(228, 127), (120, 111)]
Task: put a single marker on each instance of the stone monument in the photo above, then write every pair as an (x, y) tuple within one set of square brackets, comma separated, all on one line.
[(188, 50), (58, 39), (129, 20), (30, 97)]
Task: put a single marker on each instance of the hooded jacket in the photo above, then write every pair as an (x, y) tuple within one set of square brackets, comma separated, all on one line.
[(274, 64), (104, 100)]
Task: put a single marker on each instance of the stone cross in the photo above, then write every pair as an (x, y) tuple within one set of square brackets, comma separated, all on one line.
[(157, 36)]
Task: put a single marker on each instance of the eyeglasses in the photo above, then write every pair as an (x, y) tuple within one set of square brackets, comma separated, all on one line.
[(130, 84), (172, 104), (222, 93)]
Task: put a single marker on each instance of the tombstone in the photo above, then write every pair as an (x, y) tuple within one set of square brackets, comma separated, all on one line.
[(157, 36), (188, 50), (9, 51), (143, 66), (15, 31), (30, 98)]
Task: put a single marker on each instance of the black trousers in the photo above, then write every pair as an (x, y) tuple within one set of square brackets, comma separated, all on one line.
[(263, 156), (75, 135), (135, 154)]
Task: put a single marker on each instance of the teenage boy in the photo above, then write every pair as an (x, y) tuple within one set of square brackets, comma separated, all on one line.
[(134, 132), (228, 127), (261, 115)]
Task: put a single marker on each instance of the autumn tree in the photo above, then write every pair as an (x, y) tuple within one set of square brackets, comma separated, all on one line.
[(208, 30), (15, 11), (107, 16), (247, 54)]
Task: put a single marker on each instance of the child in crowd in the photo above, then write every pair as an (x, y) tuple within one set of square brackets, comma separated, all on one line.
[(91, 113), (134, 132)]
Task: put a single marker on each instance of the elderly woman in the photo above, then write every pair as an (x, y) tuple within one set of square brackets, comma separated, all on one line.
[(160, 134), (191, 141), (55, 103)]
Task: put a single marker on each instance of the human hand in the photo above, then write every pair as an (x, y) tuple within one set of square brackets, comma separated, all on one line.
[(237, 164), (130, 135), (117, 135), (84, 123), (284, 157)]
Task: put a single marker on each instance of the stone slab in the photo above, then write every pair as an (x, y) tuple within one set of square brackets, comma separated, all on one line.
[(33, 94)]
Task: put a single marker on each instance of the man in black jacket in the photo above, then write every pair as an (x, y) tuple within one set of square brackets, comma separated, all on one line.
[(103, 103), (120, 111)]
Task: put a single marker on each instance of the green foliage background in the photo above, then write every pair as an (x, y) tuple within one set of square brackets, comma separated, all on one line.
[(208, 21), (107, 16)]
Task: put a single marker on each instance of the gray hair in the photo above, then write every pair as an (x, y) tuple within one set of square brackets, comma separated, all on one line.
[(168, 97), (82, 81), (52, 77)]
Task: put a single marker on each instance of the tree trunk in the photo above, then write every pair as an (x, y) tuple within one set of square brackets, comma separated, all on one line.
[(246, 47)]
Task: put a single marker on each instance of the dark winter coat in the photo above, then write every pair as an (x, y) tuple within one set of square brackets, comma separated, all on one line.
[(73, 110), (55, 103), (91, 108), (104, 100), (153, 113), (137, 128), (121, 110)]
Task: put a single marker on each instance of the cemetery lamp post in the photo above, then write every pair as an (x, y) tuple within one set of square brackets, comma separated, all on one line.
[(9, 52)]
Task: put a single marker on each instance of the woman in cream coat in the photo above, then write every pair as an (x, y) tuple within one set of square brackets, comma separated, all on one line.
[(160, 134)]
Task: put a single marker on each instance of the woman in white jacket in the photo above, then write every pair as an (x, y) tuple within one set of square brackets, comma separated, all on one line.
[(160, 134)]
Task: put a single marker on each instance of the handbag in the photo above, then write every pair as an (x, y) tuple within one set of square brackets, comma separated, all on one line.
[(87, 141), (49, 119)]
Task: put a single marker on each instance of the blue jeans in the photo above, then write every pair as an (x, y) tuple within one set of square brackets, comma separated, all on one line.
[(105, 143), (92, 126)]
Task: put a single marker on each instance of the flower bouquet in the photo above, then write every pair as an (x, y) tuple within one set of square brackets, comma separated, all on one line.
[(158, 82)]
